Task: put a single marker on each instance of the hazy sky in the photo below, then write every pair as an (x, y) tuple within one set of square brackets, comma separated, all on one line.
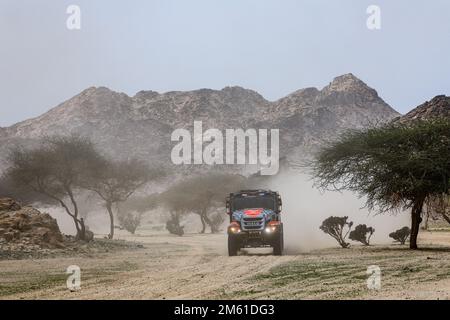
[(273, 47)]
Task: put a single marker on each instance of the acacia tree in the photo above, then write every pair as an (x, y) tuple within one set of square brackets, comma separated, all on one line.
[(397, 166), (362, 233), (173, 225), (335, 227), (209, 192), (25, 196), (130, 212), (115, 182), (401, 235), (55, 170), (201, 194), (175, 201), (130, 221)]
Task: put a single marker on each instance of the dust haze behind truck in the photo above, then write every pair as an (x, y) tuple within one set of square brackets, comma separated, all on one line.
[(255, 220)]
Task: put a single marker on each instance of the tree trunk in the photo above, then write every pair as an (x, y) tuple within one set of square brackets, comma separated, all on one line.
[(111, 219), (79, 234), (416, 219), (209, 223), (203, 224), (81, 229), (446, 218), (82, 235)]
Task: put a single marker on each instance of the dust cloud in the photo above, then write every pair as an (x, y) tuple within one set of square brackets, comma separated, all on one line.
[(305, 207)]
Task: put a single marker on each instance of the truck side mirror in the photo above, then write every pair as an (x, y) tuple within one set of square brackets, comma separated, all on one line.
[(228, 207)]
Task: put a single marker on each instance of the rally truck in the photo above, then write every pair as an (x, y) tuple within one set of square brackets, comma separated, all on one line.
[(255, 221)]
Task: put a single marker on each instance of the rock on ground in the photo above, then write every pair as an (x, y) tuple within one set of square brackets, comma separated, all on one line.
[(27, 228)]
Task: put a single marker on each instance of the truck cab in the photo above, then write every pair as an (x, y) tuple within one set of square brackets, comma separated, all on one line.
[(255, 221)]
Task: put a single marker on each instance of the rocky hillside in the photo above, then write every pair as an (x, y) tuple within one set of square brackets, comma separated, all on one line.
[(140, 126), (438, 107), (310, 116)]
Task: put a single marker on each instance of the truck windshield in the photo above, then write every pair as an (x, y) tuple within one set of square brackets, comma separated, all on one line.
[(253, 202)]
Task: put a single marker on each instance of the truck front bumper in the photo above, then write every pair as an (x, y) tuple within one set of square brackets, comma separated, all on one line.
[(259, 238)]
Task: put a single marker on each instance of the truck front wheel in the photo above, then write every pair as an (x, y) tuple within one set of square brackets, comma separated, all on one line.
[(278, 245), (233, 246)]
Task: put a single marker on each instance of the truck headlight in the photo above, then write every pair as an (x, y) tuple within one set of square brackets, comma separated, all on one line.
[(234, 229), (270, 229)]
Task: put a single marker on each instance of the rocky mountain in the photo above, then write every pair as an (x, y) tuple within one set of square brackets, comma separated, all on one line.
[(140, 126), (308, 117), (438, 107)]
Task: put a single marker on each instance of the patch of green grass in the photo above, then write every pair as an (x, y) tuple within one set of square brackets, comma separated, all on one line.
[(303, 271), (34, 283), (44, 281), (361, 276), (335, 277), (444, 274), (96, 273), (322, 277), (242, 293), (223, 293), (406, 270)]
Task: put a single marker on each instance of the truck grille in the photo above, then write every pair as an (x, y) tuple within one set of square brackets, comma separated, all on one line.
[(252, 224)]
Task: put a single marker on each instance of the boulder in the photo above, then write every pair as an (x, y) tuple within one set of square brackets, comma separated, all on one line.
[(28, 226), (8, 204)]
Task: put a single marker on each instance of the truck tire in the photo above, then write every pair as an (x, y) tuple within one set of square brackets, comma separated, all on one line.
[(233, 246), (278, 245)]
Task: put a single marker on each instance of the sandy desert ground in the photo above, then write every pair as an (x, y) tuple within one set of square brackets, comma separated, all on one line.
[(197, 267)]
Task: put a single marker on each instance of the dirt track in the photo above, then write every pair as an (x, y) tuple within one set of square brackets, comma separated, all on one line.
[(197, 267)]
